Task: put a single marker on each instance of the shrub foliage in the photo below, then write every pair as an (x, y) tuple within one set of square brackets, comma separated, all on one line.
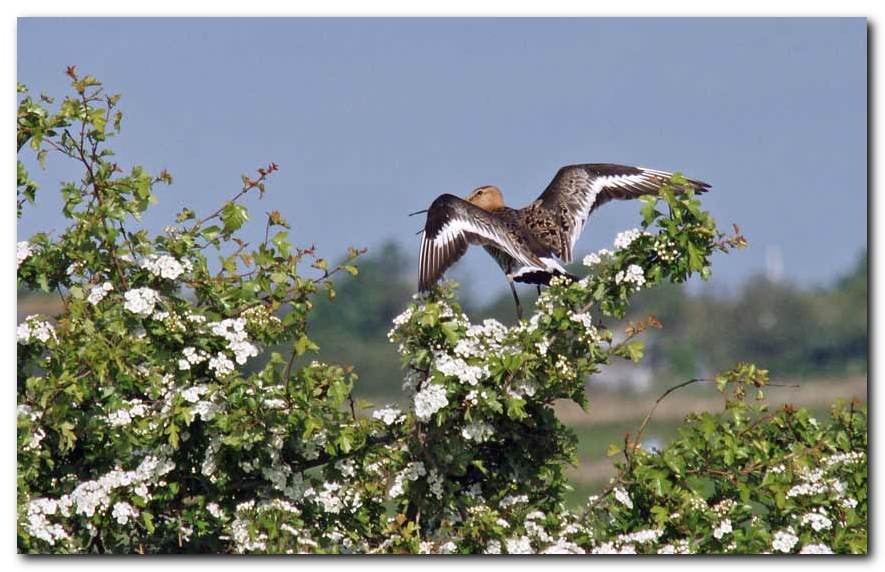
[(139, 430)]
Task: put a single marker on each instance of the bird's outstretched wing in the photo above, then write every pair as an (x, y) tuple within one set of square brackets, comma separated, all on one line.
[(453, 224), (578, 190)]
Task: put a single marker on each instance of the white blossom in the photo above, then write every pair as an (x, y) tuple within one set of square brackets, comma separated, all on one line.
[(404, 317), (221, 365), (192, 356), (583, 318), (459, 368), (165, 266), (119, 418), (633, 275), (123, 511), (206, 409), (36, 438), (611, 548), (34, 328), (623, 497), (722, 529), (511, 500), (233, 331), (430, 400), (23, 250), (448, 548), (328, 497), (38, 524), (641, 536), (215, 510), (595, 258), (98, 292), (519, 545), (562, 546), (91, 496), (818, 520), (477, 431), (192, 394), (848, 503), (784, 540), (412, 472), (435, 483), (680, 547), (141, 301), (625, 239), (815, 549), (345, 467), (389, 415)]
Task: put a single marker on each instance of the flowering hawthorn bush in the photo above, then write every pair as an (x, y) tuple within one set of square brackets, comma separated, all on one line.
[(139, 429)]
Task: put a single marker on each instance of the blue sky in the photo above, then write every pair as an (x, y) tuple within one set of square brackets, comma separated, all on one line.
[(372, 119)]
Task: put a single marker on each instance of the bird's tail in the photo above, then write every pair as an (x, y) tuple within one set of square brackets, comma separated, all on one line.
[(542, 277)]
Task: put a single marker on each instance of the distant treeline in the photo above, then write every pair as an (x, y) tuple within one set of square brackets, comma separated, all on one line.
[(793, 331)]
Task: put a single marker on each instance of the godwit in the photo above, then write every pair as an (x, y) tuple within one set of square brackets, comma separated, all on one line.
[(526, 242)]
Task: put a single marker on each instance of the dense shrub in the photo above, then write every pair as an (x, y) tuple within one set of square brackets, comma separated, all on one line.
[(139, 429)]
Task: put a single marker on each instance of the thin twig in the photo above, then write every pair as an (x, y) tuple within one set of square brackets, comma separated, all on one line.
[(658, 401), (248, 185), (680, 386)]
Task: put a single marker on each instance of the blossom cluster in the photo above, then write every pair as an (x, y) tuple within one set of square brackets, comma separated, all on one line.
[(234, 332), (457, 367), (88, 497), (123, 416), (141, 301), (597, 257), (412, 472), (192, 357), (429, 400), (666, 249), (784, 540), (23, 251), (632, 275), (166, 266), (389, 415), (35, 328), (625, 239), (98, 292), (259, 318)]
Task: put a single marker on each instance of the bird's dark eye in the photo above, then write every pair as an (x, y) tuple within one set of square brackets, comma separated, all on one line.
[(478, 192)]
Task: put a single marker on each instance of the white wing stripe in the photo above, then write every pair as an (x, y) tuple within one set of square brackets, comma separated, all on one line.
[(648, 179), (457, 226)]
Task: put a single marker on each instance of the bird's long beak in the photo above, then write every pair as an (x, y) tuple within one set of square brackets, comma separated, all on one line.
[(417, 212)]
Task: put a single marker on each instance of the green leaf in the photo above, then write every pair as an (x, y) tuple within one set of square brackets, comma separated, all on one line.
[(695, 258), (148, 519), (279, 241), (304, 344), (233, 216), (634, 350), (516, 408)]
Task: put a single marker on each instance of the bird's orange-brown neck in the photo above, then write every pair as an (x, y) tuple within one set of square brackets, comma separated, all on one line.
[(488, 198)]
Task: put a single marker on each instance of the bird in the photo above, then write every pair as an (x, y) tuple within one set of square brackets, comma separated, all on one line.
[(530, 244)]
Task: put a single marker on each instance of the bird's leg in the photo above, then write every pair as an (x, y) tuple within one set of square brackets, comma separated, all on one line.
[(538, 286), (515, 299)]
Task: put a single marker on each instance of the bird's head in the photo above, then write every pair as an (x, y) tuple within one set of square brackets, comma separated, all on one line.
[(487, 198)]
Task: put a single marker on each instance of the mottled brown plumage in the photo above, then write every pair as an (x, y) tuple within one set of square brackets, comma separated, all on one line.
[(526, 242)]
